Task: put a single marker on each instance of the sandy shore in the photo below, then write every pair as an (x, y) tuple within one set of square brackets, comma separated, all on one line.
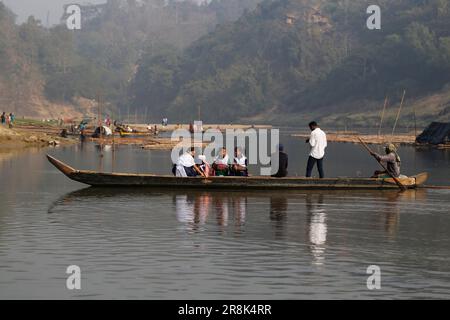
[(19, 138), (408, 139), (172, 127)]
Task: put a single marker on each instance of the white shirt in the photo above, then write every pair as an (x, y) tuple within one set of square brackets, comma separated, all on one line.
[(186, 160), (220, 160), (318, 142), (241, 161)]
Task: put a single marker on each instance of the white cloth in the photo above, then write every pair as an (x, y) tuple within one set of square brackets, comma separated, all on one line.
[(108, 131), (220, 160), (318, 143), (186, 160), (241, 161), (180, 172)]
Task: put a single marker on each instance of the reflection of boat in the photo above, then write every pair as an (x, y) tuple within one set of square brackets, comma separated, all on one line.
[(148, 180)]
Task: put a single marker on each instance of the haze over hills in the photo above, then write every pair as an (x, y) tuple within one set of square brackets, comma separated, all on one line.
[(325, 64), (57, 72), (282, 61)]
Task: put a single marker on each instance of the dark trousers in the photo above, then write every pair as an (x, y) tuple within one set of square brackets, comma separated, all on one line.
[(310, 166)]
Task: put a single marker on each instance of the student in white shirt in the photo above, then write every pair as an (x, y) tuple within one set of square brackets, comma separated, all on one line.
[(239, 167), (318, 143), (221, 163), (185, 166)]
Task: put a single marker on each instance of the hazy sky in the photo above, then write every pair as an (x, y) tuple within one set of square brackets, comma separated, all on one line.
[(39, 8)]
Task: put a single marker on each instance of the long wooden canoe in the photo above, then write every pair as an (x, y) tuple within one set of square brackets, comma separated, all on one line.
[(150, 180)]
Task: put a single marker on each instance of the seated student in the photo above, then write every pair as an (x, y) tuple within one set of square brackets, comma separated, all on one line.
[(239, 167), (220, 164), (282, 159), (185, 166), (205, 167), (392, 161)]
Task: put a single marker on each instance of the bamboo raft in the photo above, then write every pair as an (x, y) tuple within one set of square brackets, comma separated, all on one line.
[(100, 179)]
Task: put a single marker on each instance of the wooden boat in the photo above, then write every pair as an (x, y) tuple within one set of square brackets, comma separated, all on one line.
[(149, 180), (135, 134)]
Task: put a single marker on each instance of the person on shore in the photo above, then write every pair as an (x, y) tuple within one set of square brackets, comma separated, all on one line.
[(318, 143), (3, 118), (185, 166), (282, 159), (221, 163), (392, 161), (12, 118), (240, 163)]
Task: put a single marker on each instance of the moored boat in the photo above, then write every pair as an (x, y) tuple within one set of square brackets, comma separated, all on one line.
[(99, 179)]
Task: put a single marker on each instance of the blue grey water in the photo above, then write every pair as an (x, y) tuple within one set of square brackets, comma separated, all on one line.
[(179, 244)]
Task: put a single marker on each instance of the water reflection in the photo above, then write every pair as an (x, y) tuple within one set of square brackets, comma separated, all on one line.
[(317, 227), (278, 214), (392, 207), (193, 209), (391, 213)]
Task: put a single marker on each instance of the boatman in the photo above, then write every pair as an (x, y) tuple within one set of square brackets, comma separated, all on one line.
[(318, 143), (185, 166), (392, 161)]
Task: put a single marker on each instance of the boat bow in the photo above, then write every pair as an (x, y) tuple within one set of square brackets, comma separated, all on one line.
[(61, 166)]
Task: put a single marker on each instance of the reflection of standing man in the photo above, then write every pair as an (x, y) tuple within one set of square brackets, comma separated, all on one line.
[(318, 143), (317, 227)]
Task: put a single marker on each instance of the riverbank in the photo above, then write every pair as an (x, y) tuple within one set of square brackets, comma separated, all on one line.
[(18, 138), (221, 127), (352, 137)]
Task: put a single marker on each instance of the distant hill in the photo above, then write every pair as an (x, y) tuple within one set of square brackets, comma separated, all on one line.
[(57, 72), (291, 59)]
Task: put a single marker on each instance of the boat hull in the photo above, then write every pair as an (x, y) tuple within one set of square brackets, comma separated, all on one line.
[(100, 179)]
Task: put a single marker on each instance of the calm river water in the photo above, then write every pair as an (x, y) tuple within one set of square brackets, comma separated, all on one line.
[(178, 244)]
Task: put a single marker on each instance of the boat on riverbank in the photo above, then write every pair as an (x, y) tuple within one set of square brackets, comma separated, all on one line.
[(101, 179)]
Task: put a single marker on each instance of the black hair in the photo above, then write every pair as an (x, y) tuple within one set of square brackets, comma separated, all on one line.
[(313, 124)]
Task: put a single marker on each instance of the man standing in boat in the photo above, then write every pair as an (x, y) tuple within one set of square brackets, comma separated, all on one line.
[(318, 143)]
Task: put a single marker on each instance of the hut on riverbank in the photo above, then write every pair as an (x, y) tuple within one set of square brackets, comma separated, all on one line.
[(437, 133)]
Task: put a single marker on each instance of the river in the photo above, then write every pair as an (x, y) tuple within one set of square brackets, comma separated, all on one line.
[(178, 244)]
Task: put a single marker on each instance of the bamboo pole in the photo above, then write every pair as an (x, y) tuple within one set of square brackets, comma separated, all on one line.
[(415, 123), (382, 115), (399, 110)]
